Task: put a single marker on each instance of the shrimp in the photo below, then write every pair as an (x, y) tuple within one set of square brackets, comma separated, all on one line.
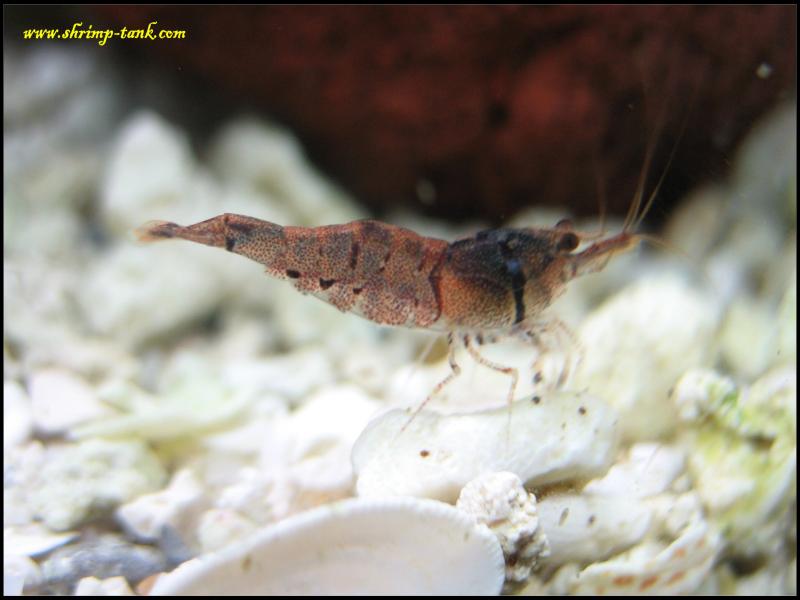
[(494, 284)]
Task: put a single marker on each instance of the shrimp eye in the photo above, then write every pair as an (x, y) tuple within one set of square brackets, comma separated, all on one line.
[(567, 242)]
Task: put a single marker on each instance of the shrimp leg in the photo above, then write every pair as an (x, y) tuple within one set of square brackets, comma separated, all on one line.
[(455, 371)]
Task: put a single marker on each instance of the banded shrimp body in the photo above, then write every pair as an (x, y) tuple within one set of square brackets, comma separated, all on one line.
[(479, 289)]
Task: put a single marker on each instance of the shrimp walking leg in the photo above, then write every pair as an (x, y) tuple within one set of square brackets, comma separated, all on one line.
[(497, 367), (552, 337), (514, 373), (455, 371)]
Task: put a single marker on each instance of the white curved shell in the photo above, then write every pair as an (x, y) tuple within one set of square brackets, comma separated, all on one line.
[(563, 436), (359, 546)]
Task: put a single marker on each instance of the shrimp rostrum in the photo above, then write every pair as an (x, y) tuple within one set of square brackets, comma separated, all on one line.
[(493, 284)]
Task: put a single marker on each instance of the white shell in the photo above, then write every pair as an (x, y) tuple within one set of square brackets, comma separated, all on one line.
[(392, 546), (563, 436)]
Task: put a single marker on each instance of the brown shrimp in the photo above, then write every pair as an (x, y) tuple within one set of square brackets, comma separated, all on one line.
[(495, 283)]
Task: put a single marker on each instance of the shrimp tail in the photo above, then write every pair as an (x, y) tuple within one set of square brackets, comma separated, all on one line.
[(154, 231), (227, 231)]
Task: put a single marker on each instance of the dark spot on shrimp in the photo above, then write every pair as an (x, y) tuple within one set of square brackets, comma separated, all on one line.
[(582, 410), (385, 261), (326, 283), (292, 274), (355, 248), (424, 453), (240, 226)]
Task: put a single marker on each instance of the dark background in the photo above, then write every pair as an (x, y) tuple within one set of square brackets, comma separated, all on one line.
[(469, 111)]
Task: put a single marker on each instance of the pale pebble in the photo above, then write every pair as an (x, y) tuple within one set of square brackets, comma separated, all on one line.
[(179, 504), (765, 163), (21, 466), (292, 376), (220, 527), (699, 392), (270, 158), (646, 470), (247, 438), (748, 337), (304, 457), (145, 144), (61, 399), (260, 495), (201, 405), (333, 415), (696, 225), (18, 572), (36, 293), (77, 481), (139, 293), (34, 539), (112, 586), (638, 343), (17, 415)]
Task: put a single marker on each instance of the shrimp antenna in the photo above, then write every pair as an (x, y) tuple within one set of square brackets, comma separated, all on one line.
[(649, 204), (602, 197), (635, 215)]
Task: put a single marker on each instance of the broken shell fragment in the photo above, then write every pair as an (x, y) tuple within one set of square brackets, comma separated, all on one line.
[(651, 568), (388, 546), (499, 501), (556, 437), (586, 528)]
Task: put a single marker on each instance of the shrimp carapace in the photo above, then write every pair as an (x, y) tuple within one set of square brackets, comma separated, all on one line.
[(491, 282), (495, 283)]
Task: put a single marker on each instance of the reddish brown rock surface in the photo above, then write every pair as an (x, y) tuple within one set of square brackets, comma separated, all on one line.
[(480, 111)]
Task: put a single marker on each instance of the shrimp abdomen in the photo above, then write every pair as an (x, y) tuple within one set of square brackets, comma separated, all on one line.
[(385, 273)]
